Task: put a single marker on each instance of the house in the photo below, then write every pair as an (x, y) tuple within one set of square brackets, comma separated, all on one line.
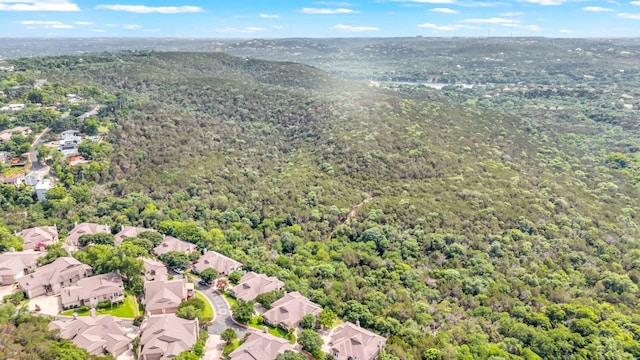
[(165, 336), (68, 150), (164, 296), (261, 346), (15, 265), (129, 232), (83, 229), (92, 290), (211, 259), (350, 341), (5, 135), (154, 270), (15, 180), (251, 285), (169, 243), (98, 335), (289, 310), (44, 235), (70, 137), (77, 160), (41, 189), (51, 278)]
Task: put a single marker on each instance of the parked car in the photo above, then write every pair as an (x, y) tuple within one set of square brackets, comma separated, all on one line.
[(178, 271)]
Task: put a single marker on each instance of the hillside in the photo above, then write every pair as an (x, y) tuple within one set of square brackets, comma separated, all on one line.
[(455, 229)]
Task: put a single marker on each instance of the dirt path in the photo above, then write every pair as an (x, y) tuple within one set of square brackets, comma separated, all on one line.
[(353, 210)]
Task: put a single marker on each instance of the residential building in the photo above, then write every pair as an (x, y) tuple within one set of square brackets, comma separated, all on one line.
[(15, 265), (169, 243), (14, 180), (261, 346), (38, 236), (154, 270), (84, 229), (165, 336), (5, 135), (31, 179), (129, 232), (164, 296), (289, 310), (70, 137), (252, 284), (41, 189), (51, 278), (93, 290), (350, 341), (211, 259), (98, 335)]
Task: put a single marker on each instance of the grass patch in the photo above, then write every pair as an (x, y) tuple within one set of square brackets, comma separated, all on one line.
[(128, 309), (230, 347), (207, 312), (257, 323), (230, 299)]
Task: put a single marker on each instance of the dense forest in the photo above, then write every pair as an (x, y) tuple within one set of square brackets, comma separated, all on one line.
[(459, 229)]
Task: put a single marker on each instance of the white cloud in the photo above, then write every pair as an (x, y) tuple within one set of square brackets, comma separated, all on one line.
[(512, 14), (493, 20), (38, 5), (629, 16), (349, 28), (636, 3), (131, 26), (326, 11), (480, 4), (98, 30), (142, 9), (39, 22), (546, 2), (445, 27), (596, 9), (269, 16), (532, 27), (33, 24), (445, 11), (428, 1), (333, 3), (244, 30), (84, 23)]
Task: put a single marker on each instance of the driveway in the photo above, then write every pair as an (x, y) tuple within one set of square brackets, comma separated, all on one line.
[(222, 319), (49, 304)]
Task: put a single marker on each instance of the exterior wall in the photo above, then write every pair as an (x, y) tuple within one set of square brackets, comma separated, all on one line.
[(7, 279)]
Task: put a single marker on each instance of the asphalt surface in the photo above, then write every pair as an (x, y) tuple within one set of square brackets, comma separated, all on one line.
[(222, 319)]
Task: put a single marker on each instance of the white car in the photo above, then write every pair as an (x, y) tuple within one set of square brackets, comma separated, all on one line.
[(178, 271)]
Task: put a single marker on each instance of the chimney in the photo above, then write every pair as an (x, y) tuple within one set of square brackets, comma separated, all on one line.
[(358, 323), (93, 312), (75, 316)]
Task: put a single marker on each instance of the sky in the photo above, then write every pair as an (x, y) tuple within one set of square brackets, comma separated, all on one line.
[(301, 18)]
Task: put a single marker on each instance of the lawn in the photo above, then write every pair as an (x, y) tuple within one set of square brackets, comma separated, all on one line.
[(230, 299), (275, 331), (207, 313), (128, 309), (230, 347)]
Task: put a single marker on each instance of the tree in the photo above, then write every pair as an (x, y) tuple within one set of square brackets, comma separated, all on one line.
[(175, 259), (208, 275), (98, 239), (326, 318), (243, 311), (235, 276), (228, 335), (310, 340), (268, 298), (308, 321), (54, 251), (8, 240), (56, 193), (187, 312), (186, 355), (291, 355)]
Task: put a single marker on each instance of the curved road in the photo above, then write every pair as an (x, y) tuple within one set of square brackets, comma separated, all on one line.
[(222, 313)]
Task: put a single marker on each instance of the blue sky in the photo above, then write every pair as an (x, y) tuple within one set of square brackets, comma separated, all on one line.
[(299, 18)]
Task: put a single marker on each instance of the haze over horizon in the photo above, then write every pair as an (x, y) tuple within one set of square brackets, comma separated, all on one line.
[(285, 19)]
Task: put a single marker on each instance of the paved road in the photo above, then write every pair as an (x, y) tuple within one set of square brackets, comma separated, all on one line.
[(222, 313), (36, 167)]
